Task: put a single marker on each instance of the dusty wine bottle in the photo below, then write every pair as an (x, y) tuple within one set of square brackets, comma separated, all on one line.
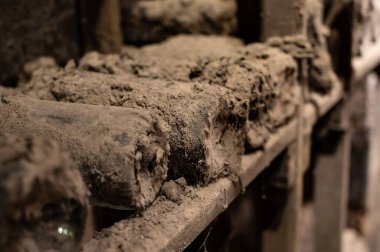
[(44, 201), (121, 153)]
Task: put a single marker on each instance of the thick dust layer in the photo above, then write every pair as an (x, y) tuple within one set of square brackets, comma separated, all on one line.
[(155, 225), (139, 230), (146, 21), (122, 153), (206, 122), (283, 72), (260, 75), (6, 90), (176, 190), (41, 191), (176, 216)]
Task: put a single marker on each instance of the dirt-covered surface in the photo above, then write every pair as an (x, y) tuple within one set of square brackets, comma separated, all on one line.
[(262, 76), (41, 190), (206, 122), (167, 223), (146, 21), (176, 190), (213, 92), (140, 229), (10, 91), (150, 121), (121, 153)]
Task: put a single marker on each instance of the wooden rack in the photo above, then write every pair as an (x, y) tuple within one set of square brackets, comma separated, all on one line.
[(176, 227)]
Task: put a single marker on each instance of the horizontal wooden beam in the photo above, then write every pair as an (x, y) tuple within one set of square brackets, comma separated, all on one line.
[(169, 226)]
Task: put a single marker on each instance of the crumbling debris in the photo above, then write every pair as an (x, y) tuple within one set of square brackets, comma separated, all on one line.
[(283, 72), (263, 77), (172, 191), (260, 75), (297, 46), (101, 63), (41, 62), (176, 190), (206, 122)]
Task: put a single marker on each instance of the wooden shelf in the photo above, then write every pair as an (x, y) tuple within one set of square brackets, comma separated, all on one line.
[(167, 226)]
